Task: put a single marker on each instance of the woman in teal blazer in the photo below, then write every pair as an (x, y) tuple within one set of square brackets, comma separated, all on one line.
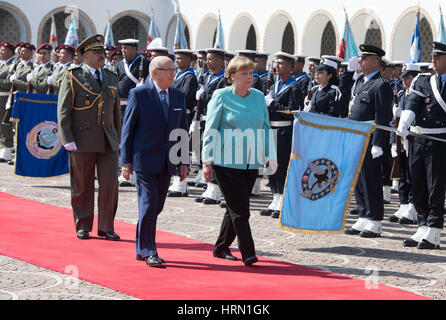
[(237, 141)]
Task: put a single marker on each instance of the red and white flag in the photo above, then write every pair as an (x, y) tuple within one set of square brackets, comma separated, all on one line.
[(53, 36)]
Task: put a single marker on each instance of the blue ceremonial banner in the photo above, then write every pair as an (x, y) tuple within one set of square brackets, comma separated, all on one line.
[(180, 41), (220, 37), (441, 35), (415, 44), (326, 158), (71, 38), (39, 153)]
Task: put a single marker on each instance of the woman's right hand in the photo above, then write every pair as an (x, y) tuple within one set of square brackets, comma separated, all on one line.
[(207, 171)]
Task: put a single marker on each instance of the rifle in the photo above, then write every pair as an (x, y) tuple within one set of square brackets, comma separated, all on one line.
[(395, 173), (10, 102), (141, 71), (29, 87), (50, 86), (268, 79), (310, 86)]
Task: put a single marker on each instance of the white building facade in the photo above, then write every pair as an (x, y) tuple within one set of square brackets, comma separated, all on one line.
[(295, 26)]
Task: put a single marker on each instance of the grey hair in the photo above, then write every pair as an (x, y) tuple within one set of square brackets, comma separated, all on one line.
[(156, 62)]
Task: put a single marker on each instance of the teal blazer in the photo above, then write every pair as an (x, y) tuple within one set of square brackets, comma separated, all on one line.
[(238, 133)]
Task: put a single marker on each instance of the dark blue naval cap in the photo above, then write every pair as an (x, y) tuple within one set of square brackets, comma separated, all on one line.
[(371, 50)]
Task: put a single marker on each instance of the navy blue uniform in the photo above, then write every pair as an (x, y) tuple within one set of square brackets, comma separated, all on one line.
[(427, 158), (187, 83), (287, 97), (372, 101)]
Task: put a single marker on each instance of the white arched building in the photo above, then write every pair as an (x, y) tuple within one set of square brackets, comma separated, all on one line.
[(289, 25)]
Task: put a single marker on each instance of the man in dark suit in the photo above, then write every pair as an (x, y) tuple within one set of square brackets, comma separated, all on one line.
[(153, 111)]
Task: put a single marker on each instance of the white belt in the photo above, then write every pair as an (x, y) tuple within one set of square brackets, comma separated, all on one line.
[(124, 102), (203, 118), (421, 130), (4, 94), (281, 123)]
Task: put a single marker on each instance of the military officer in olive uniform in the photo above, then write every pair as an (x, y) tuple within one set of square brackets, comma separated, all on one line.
[(425, 113), (25, 67), (90, 122), (38, 78), (6, 70), (66, 55), (372, 100)]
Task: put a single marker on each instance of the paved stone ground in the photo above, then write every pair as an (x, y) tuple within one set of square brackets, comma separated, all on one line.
[(383, 260)]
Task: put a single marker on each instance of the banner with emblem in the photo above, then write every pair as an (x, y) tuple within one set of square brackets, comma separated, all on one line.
[(39, 153), (326, 158)]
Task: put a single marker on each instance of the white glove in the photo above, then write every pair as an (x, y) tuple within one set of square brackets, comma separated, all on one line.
[(50, 79), (393, 150), (376, 152), (272, 166), (199, 92), (13, 77), (140, 83), (268, 100), (397, 111), (70, 146), (406, 120), (353, 64), (29, 76)]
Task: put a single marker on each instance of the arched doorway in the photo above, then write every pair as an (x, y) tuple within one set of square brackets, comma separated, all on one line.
[(207, 31), (280, 34), (367, 28), (243, 33), (171, 31), (14, 26), (403, 31), (131, 24), (320, 35)]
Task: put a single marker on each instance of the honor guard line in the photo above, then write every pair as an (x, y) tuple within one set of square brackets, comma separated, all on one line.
[(377, 126)]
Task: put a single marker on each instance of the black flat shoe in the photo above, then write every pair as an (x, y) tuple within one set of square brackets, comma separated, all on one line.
[(250, 261), (410, 243), (266, 212), (176, 194), (351, 231), (81, 234), (424, 244), (227, 256), (394, 218), (275, 214), (404, 220), (109, 235), (223, 205), (353, 212), (126, 184), (369, 234), (210, 201), (154, 261), (140, 258), (199, 199)]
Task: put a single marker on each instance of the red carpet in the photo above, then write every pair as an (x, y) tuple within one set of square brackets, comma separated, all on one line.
[(44, 235)]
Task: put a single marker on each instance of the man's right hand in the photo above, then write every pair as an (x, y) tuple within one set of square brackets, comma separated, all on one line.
[(126, 171), (207, 171), (353, 64), (70, 146)]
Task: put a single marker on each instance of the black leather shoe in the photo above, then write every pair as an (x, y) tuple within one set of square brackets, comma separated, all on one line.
[(199, 199), (386, 202), (424, 244), (410, 243), (251, 260), (223, 204), (140, 258), (227, 256), (126, 184), (11, 162), (353, 212), (109, 235), (351, 231), (393, 191), (154, 261), (275, 214), (255, 195), (393, 218), (369, 234), (201, 185), (191, 183), (266, 212), (81, 234), (3, 160), (176, 194), (210, 201), (404, 220)]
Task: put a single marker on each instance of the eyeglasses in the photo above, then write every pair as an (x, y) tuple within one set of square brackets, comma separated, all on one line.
[(170, 70)]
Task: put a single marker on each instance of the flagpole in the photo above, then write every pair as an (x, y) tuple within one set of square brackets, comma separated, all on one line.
[(381, 127)]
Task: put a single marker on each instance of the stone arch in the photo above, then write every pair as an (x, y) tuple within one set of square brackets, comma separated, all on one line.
[(243, 26), (171, 30), (368, 27), (14, 26), (274, 32), (207, 30), (86, 26), (131, 24), (318, 24), (402, 34)]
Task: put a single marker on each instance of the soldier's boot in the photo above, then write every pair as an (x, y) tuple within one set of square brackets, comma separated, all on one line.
[(5, 155), (357, 227), (214, 194), (431, 239), (372, 229), (409, 216), (276, 213), (272, 206), (415, 239), (256, 188), (399, 213), (178, 188), (386, 194)]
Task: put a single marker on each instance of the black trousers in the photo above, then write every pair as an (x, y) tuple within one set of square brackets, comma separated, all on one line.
[(405, 183), (387, 162), (277, 180), (236, 186), (369, 188), (427, 161)]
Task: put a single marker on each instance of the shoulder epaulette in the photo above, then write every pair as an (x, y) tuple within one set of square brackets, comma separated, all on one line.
[(383, 79), (111, 71), (72, 68)]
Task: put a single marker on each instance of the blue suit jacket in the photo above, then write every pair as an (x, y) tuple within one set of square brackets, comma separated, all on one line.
[(145, 132)]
